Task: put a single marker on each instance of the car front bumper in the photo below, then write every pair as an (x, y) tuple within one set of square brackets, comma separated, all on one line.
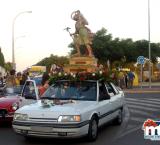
[(51, 130)]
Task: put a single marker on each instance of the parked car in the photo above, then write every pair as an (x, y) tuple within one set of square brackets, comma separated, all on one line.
[(71, 109), (13, 98)]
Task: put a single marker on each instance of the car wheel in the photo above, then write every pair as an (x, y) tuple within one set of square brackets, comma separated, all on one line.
[(119, 118), (93, 129)]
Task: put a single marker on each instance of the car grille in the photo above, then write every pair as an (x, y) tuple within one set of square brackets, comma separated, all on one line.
[(42, 119)]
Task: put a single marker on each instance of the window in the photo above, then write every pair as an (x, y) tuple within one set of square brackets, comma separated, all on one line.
[(110, 89), (64, 90), (115, 88), (29, 91), (103, 94)]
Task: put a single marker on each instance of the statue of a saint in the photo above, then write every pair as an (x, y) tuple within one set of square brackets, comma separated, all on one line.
[(82, 35)]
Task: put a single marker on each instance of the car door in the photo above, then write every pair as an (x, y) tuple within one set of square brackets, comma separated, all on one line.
[(29, 93), (115, 97), (104, 106), (119, 96)]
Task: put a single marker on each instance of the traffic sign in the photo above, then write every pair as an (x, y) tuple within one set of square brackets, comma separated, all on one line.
[(140, 60)]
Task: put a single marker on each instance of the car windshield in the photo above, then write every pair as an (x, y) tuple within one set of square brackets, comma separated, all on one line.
[(11, 91), (64, 90)]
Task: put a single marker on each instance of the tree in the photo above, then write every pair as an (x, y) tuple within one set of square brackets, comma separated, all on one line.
[(2, 61), (8, 66), (53, 59), (101, 45), (119, 52)]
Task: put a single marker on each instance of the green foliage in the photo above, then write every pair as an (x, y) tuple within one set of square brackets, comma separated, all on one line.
[(8, 66), (2, 61), (106, 48), (118, 51), (53, 59)]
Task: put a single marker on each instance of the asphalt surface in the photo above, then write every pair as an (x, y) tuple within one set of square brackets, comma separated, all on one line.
[(139, 107)]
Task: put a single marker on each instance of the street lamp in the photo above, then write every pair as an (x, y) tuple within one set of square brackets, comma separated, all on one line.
[(149, 44), (13, 25)]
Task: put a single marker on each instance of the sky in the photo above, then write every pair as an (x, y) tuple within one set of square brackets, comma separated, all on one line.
[(41, 33)]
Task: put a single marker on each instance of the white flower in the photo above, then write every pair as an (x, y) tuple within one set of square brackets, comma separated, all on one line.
[(93, 74), (100, 72), (74, 75), (59, 73), (65, 74)]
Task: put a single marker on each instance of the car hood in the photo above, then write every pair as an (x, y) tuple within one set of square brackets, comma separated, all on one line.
[(7, 101), (70, 108)]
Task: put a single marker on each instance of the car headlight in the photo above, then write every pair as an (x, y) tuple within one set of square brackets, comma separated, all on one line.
[(21, 117), (69, 118), (15, 106)]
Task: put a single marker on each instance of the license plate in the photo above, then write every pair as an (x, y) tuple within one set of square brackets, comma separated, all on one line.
[(41, 129)]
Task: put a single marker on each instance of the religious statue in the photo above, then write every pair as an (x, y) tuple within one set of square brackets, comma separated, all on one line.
[(82, 35)]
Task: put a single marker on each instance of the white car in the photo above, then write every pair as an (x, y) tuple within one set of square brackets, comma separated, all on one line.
[(71, 109)]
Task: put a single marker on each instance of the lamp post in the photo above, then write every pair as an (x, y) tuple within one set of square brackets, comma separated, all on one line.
[(149, 44), (13, 39)]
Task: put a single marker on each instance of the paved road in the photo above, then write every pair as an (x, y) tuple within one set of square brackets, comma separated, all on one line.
[(139, 107)]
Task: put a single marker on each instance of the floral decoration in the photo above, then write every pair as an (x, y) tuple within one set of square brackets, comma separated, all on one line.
[(81, 76), (149, 123)]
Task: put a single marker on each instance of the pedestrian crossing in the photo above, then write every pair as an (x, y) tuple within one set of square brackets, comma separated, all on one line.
[(140, 109), (143, 105)]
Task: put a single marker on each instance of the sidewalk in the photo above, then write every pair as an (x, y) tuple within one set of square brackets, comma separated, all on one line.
[(144, 88)]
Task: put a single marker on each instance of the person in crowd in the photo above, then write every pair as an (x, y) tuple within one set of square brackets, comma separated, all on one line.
[(24, 78), (18, 78), (43, 88), (27, 75), (45, 77), (10, 80), (126, 79), (44, 82), (121, 79), (131, 77)]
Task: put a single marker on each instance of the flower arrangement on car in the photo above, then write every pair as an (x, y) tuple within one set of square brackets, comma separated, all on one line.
[(81, 76)]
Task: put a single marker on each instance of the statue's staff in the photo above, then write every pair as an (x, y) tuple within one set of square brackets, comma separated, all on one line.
[(67, 29)]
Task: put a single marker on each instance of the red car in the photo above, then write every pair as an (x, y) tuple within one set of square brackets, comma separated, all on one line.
[(13, 98), (9, 102)]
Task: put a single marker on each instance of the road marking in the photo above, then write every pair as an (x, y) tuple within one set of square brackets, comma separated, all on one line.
[(142, 113), (138, 119), (129, 131), (144, 104), (145, 101), (154, 100), (142, 107)]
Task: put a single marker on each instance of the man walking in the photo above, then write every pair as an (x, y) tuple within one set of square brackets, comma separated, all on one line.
[(131, 77)]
